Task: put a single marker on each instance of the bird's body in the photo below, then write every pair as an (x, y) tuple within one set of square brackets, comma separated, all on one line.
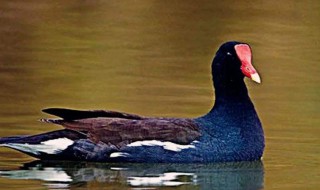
[(231, 131)]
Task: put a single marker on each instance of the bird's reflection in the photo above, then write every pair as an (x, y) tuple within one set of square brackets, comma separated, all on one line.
[(67, 175)]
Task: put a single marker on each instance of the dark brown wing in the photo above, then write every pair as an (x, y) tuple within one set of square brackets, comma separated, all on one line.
[(122, 131), (69, 114)]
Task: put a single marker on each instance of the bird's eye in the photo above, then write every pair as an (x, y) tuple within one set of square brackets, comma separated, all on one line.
[(228, 53)]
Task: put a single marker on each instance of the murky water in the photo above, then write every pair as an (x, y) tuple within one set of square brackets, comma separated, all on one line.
[(153, 58)]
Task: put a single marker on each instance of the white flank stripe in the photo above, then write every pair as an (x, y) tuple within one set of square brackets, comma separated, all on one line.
[(166, 145), (118, 154), (50, 147)]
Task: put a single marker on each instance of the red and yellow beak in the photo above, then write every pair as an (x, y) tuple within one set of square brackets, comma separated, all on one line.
[(244, 54)]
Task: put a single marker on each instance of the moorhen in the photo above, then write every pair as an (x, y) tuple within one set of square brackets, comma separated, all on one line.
[(231, 131)]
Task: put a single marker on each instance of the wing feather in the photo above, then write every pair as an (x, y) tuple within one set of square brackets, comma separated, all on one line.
[(69, 114), (120, 129)]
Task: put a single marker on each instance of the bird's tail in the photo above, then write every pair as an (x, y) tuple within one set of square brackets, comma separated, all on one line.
[(51, 143), (16, 143), (5, 140)]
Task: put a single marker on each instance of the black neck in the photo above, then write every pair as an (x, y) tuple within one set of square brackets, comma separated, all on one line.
[(231, 97), (230, 91), (228, 80)]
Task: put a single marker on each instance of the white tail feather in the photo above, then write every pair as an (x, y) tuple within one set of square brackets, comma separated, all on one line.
[(53, 146)]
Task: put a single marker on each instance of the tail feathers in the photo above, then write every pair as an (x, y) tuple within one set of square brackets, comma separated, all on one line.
[(4, 140), (22, 148), (53, 146), (11, 142), (51, 143)]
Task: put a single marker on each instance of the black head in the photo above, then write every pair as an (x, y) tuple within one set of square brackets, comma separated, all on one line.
[(231, 64)]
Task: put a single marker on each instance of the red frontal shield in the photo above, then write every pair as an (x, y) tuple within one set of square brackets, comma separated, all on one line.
[(245, 56)]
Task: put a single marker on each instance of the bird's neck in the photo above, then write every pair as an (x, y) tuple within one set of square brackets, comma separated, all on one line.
[(229, 91), (230, 101)]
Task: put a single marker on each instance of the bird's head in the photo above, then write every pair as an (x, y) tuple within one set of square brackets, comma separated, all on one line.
[(233, 62)]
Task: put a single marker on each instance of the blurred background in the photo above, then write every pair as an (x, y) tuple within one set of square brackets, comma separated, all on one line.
[(153, 58)]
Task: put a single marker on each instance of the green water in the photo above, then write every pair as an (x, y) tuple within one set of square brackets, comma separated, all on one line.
[(153, 58)]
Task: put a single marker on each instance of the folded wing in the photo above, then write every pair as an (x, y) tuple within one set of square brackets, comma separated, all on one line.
[(120, 129)]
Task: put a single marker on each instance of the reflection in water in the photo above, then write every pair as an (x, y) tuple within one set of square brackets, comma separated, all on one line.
[(165, 179), (240, 175)]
